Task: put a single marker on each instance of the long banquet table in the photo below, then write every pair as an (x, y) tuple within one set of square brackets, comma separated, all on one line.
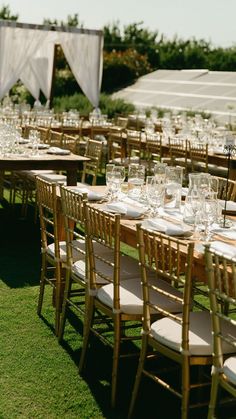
[(69, 163), (128, 236)]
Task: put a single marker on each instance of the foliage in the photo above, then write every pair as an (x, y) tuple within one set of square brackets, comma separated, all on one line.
[(108, 106), (72, 21), (122, 68), (5, 13)]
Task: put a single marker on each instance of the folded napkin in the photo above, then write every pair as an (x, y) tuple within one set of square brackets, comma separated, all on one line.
[(229, 233), (230, 205), (58, 150), (167, 227), (218, 150), (125, 209), (92, 196), (40, 146), (223, 248)]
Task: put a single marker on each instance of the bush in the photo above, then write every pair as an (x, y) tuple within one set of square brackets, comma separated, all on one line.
[(108, 106), (121, 68)]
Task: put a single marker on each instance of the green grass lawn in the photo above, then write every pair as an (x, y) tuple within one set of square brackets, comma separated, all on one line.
[(39, 378)]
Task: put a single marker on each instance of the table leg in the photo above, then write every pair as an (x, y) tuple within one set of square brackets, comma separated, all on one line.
[(71, 177)]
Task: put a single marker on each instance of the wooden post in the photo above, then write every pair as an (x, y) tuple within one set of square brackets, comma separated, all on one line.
[(56, 46)]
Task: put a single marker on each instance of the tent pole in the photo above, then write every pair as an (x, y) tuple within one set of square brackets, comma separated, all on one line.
[(51, 97)]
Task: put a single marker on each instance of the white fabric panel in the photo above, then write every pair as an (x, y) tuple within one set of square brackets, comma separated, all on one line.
[(42, 63), (16, 47), (84, 55), (30, 81)]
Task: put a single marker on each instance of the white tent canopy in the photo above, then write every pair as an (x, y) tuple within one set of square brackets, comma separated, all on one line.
[(27, 53)]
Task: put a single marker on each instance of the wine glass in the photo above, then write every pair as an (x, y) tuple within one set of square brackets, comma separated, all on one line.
[(209, 215), (155, 195), (193, 207), (109, 174)]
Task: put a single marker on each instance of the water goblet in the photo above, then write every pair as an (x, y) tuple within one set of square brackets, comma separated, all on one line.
[(154, 194)]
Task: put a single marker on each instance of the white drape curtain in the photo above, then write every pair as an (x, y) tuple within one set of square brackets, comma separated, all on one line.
[(27, 53), (84, 55), (42, 63), (16, 47), (29, 79)]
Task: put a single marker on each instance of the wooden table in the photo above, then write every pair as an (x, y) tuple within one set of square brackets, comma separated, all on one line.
[(69, 163)]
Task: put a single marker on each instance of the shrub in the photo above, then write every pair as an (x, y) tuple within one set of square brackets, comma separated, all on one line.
[(108, 106)]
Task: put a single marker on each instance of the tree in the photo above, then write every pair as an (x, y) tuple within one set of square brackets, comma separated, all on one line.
[(72, 21), (5, 13)]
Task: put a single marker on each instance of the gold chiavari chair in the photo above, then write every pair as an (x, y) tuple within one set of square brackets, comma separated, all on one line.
[(55, 138), (153, 149), (75, 281), (120, 299), (116, 146), (198, 156), (183, 338), (134, 146), (91, 168), (71, 142), (226, 189), (53, 251), (221, 273)]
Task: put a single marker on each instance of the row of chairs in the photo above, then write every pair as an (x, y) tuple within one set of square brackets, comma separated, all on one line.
[(110, 286), (148, 148)]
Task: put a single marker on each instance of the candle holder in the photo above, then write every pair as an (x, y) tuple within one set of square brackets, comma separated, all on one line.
[(229, 151)]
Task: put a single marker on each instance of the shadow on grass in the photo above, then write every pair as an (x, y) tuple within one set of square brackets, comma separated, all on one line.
[(20, 257)]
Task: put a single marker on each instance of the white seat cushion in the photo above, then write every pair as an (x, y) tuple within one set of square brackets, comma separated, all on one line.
[(53, 177), (80, 245), (131, 299), (229, 369), (62, 247), (168, 332)]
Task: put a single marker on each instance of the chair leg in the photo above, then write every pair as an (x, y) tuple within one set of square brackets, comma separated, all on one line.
[(65, 305), (58, 298), (42, 284), (185, 388), (138, 375), (88, 320), (116, 353), (213, 398)]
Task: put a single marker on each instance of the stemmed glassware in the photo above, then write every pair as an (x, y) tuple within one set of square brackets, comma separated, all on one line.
[(114, 177), (155, 194), (34, 138), (193, 207), (209, 214)]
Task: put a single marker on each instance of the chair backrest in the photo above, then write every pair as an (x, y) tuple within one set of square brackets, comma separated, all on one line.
[(153, 148), (103, 228), (72, 204), (226, 189), (133, 144), (48, 208), (171, 259), (121, 122), (70, 142), (221, 275), (199, 154), (115, 142), (44, 133), (94, 153), (178, 149), (55, 138)]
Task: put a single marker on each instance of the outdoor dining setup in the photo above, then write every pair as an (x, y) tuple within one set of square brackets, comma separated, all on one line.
[(156, 189), (186, 245)]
